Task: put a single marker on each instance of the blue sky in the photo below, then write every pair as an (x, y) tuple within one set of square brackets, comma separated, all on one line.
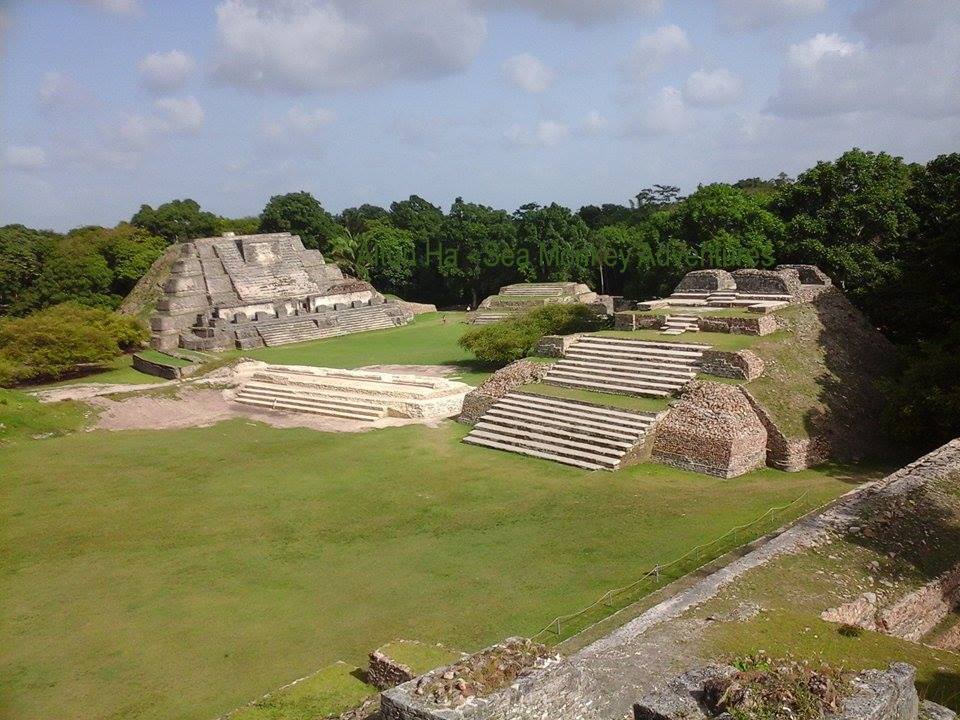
[(106, 104)]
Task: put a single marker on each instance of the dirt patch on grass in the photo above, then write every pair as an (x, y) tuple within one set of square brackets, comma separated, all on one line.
[(194, 407)]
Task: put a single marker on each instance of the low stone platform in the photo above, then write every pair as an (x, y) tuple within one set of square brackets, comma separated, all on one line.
[(517, 298), (349, 394)]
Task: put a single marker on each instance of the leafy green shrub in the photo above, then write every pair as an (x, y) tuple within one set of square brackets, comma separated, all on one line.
[(516, 337), (61, 340)]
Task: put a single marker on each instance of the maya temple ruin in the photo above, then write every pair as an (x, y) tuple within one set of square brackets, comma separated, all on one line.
[(246, 291)]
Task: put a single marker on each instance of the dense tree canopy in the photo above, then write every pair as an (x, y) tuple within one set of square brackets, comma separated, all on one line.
[(301, 214), (176, 221)]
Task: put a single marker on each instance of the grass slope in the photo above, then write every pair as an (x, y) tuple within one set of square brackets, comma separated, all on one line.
[(184, 573), (23, 416)]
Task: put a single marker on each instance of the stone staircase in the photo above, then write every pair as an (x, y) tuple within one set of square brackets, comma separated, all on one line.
[(488, 317), (371, 317), (253, 282), (303, 329), (536, 289), (626, 367), (277, 396), (575, 433), (679, 324)]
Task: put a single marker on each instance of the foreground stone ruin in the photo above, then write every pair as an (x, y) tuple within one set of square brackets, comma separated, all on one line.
[(515, 299), (349, 394), (245, 291)]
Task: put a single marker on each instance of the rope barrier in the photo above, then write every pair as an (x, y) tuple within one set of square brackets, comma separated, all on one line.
[(607, 598)]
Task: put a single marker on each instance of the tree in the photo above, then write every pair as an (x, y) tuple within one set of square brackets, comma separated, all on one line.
[(356, 219), (22, 254), (478, 250), (128, 250), (423, 221), (605, 215), (176, 221), (76, 272), (301, 214), (239, 226), (851, 217), (557, 241), (726, 227)]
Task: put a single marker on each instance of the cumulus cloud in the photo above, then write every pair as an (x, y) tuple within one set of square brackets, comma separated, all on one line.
[(828, 75), (896, 22), (578, 12), (170, 116), (594, 123), (653, 51), (299, 46), (299, 121), (547, 133), (528, 73), (712, 88), (743, 15), (117, 7), (163, 72), (58, 90), (666, 114), (24, 157)]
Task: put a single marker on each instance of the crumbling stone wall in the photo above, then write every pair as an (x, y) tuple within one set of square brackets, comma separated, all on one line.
[(706, 281), (808, 274), (789, 454), (555, 345), (739, 365), (384, 672), (767, 282), (760, 325), (634, 321), (502, 382), (713, 429)]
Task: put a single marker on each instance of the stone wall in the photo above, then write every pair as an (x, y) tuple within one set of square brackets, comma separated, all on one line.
[(555, 345), (383, 672), (808, 274), (767, 282), (502, 382), (789, 454), (739, 365), (634, 321), (712, 429), (760, 325), (706, 281)]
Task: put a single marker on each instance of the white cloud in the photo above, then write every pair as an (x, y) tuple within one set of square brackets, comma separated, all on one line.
[(653, 51), (578, 12), (712, 88), (895, 22), (170, 116), (528, 73), (24, 157), (117, 7), (547, 133), (741, 15), (299, 121), (594, 123), (808, 54), (301, 46), (666, 114), (163, 72), (58, 90)]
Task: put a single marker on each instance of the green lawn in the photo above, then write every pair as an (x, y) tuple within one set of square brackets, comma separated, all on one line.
[(185, 573), (163, 359), (120, 372)]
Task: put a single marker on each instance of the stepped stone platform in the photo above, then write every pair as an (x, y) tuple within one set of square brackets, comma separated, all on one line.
[(571, 432), (517, 298), (349, 394), (757, 291), (244, 291), (627, 367)]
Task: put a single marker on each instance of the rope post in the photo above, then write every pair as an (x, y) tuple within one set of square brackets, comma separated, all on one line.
[(558, 626), (656, 570)]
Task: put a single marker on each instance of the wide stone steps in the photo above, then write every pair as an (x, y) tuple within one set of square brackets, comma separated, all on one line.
[(678, 324), (300, 399), (291, 331), (631, 367), (566, 431)]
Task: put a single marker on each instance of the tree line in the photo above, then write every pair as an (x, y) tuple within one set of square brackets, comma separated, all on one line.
[(886, 230)]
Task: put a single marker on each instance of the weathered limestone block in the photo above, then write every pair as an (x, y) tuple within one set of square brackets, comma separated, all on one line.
[(760, 325), (684, 697), (635, 321), (789, 454), (808, 274), (740, 365), (767, 282), (555, 345), (503, 381), (713, 429), (883, 695), (932, 711), (706, 281)]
